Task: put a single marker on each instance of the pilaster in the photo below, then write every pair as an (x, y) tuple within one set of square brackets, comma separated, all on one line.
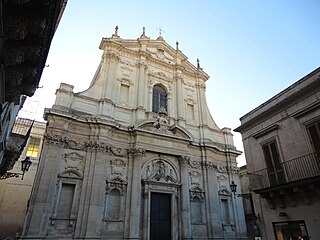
[(185, 203)]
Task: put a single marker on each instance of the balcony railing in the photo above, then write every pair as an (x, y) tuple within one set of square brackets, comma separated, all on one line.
[(300, 168)]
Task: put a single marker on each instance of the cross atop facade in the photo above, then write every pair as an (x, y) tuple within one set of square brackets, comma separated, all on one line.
[(160, 30), (143, 31), (116, 30)]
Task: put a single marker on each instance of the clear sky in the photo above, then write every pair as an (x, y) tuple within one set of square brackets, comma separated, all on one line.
[(251, 49)]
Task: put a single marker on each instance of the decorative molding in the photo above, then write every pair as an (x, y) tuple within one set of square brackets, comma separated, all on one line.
[(224, 192), (306, 110), (195, 164), (196, 193), (70, 174), (116, 183), (74, 160), (160, 171), (118, 166), (190, 101), (120, 152), (265, 131), (184, 159), (210, 165), (195, 178), (161, 76), (136, 151), (125, 81)]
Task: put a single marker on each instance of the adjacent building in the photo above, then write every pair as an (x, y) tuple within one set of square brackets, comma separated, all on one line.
[(14, 192), (137, 155), (26, 31), (281, 140)]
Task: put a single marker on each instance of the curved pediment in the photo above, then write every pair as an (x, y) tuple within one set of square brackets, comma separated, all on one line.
[(70, 173)]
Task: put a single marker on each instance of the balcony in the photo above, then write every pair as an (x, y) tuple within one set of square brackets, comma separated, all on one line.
[(294, 171)]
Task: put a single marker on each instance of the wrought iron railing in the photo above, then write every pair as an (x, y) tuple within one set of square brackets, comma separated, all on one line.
[(304, 167)]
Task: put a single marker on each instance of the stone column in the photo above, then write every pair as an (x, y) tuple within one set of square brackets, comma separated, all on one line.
[(185, 203), (135, 156)]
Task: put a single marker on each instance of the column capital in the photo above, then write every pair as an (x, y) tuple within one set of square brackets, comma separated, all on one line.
[(184, 159), (136, 151)]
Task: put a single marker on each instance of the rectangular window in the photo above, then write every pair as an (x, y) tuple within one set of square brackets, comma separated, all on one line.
[(290, 230), (124, 93), (33, 147), (225, 211), (65, 200), (314, 133), (272, 159), (190, 112)]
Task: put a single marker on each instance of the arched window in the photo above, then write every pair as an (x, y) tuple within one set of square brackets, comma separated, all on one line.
[(159, 98)]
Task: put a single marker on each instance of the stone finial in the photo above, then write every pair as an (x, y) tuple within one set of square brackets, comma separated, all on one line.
[(198, 63), (116, 30), (143, 31), (177, 45)]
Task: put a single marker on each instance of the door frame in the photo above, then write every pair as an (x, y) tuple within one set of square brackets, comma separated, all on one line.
[(162, 188)]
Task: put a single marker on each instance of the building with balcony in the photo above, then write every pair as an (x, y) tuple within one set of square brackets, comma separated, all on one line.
[(281, 140), (15, 193)]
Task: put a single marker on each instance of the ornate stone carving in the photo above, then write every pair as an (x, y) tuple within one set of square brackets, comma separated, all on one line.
[(195, 164), (196, 193), (161, 75), (210, 165), (184, 160), (116, 183), (190, 101), (224, 192), (160, 171), (223, 182), (136, 151), (74, 161), (126, 71), (195, 178), (70, 174), (118, 166), (120, 152), (161, 119)]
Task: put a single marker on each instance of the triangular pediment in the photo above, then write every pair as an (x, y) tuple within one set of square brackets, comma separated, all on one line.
[(117, 180)]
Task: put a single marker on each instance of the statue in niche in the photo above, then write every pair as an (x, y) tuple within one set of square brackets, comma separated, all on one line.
[(160, 170)]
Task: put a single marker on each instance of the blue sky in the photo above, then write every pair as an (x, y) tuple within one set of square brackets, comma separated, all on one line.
[(251, 49)]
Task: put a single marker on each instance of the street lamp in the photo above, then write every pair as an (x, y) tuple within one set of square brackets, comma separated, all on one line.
[(25, 165), (233, 187)]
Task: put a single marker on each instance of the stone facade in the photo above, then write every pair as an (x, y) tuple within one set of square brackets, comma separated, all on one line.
[(281, 140), (137, 150)]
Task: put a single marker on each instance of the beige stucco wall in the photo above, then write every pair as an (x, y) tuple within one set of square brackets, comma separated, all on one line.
[(284, 118), (15, 193)]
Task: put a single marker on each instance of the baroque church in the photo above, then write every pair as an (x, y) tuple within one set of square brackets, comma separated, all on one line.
[(137, 155)]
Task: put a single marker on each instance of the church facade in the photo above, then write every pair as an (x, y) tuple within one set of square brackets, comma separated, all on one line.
[(137, 155)]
